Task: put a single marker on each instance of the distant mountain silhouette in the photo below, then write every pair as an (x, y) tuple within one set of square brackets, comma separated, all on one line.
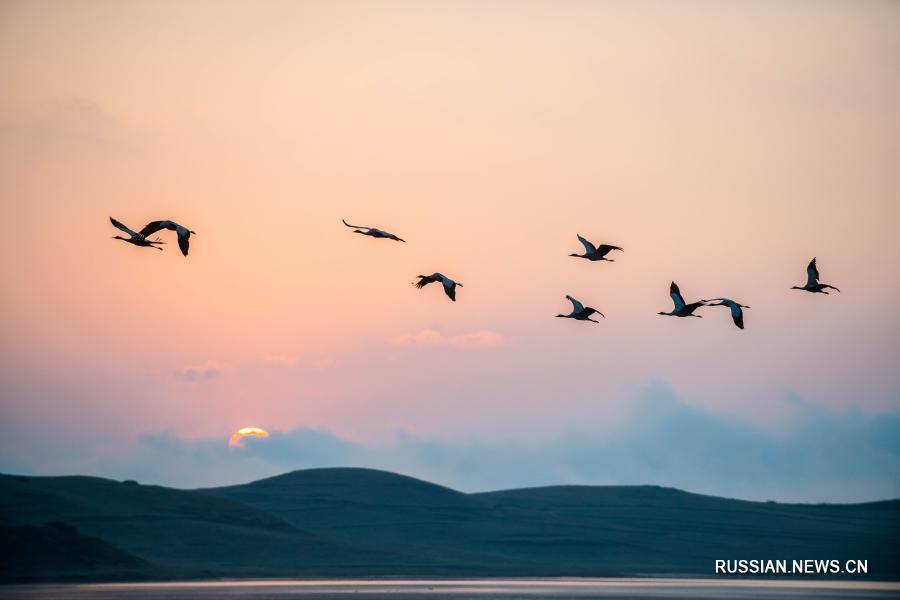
[(364, 522)]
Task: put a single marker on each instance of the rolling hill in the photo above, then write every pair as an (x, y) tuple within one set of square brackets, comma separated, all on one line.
[(174, 533), (355, 522)]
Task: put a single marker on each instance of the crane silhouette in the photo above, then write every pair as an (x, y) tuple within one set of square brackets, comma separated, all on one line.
[(681, 309), (449, 284), (138, 239), (184, 234), (812, 281), (592, 252), (373, 232), (580, 312), (737, 313)]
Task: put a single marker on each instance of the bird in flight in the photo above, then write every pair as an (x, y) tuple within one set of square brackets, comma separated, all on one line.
[(681, 309), (580, 312), (138, 239), (372, 231), (184, 234), (812, 281), (737, 314), (592, 252), (449, 284)]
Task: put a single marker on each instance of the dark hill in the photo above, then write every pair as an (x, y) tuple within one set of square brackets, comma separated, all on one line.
[(654, 529), (355, 522), (338, 486), (432, 525), (180, 533), (570, 530), (30, 552)]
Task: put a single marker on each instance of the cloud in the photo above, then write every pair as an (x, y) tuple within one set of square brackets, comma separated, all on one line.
[(426, 337), (823, 455), (207, 371), (170, 459), (430, 337)]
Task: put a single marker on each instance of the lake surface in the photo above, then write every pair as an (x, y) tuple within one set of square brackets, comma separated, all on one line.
[(494, 589)]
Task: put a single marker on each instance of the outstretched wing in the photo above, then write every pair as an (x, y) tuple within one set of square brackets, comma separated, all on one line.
[(812, 273), (589, 248), (690, 308), (450, 289), (593, 311), (184, 241), (577, 306), (121, 227), (675, 293), (353, 226), (154, 226), (423, 281), (605, 249), (737, 315)]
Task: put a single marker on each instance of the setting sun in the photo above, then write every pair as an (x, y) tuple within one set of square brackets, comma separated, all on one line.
[(235, 440)]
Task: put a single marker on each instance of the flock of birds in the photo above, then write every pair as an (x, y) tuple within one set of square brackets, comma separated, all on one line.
[(580, 312)]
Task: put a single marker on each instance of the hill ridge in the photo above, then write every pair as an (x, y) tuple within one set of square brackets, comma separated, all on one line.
[(355, 522), (343, 471)]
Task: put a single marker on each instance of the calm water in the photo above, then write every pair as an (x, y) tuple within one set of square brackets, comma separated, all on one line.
[(494, 589)]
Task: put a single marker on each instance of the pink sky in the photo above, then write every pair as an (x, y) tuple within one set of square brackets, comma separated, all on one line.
[(721, 144)]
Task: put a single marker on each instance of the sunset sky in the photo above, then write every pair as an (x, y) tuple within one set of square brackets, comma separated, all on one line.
[(722, 144)]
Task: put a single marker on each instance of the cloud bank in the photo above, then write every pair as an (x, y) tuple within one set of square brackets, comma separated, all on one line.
[(822, 455)]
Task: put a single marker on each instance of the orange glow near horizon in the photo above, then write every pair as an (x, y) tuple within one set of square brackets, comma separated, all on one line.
[(235, 440)]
